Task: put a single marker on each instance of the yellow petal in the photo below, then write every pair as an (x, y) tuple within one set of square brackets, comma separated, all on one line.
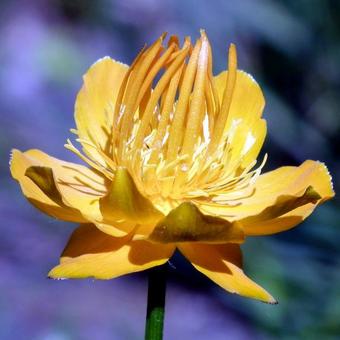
[(64, 190), (124, 202), (44, 179), (95, 104), (73, 187), (52, 205), (282, 198), (222, 264), (91, 253), (246, 142), (186, 224), (244, 116), (282, 215)]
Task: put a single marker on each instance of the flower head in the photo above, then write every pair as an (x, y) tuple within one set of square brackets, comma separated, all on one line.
[(172, 163)]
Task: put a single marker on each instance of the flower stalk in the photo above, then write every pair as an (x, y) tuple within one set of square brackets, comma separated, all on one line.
[(156, 303)]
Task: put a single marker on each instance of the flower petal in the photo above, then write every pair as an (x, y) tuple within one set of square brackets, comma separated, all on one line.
[(44, 179), (282, 214), (64, 190), (244, 117), (124, 203), (89, 206), (79, 189), (91, 253), (222, 264), (186, 224), (96, 102), (282, 198), (48, 200)]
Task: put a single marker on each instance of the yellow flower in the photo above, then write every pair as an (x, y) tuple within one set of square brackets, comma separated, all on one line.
[(172, 155)]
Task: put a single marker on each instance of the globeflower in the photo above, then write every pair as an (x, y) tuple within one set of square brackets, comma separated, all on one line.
[(171, 154)]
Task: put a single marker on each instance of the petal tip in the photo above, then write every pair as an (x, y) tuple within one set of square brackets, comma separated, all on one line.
[(265, 297), (271, 300), (274, 302), (53, 275), (322, 164), (12, 159), (11, 155), (103, 60), (203, 33), (56, 278)]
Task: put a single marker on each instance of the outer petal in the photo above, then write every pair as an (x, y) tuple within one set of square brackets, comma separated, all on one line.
[(187, 224), (222, 264), (74, 189), (124, 202), (247, 129), (282, 198), (96, 102), (52, 205), (125, 208), (91, 253)]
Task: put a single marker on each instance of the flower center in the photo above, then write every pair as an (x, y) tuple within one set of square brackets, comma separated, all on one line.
[(169, 127)]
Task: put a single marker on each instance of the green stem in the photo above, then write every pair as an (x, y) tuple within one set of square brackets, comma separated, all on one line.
[(156, 303)]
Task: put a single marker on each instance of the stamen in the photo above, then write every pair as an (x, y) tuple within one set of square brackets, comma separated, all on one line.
[(133, 88), (74, 131), (118, 106), (195, 115), (98, 167), (153, 72), (160, 87), (227, 99), (211, 95), (107, 159), (177, 126), (194, 119)]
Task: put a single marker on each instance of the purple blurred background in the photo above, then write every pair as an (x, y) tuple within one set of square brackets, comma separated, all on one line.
[(291, 47)]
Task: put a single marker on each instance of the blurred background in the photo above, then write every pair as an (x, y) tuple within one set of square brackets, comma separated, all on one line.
[(291, 47)]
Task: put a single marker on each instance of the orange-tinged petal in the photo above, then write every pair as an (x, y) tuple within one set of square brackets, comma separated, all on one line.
[(244, 116), (125, 207), (282, 198), (95, 104), (79, 189), (64, 190), (247, 100), (125, 202), (246, 142), (222, 264), (187, 224), (286, 212), (52, 205), (91, 253), (75, 188), (44, 179)]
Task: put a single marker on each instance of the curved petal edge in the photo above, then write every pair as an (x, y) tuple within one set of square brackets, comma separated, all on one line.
[(223, 265), (91, 253)]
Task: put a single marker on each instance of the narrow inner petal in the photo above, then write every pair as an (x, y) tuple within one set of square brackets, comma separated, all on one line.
[(187, 224)]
